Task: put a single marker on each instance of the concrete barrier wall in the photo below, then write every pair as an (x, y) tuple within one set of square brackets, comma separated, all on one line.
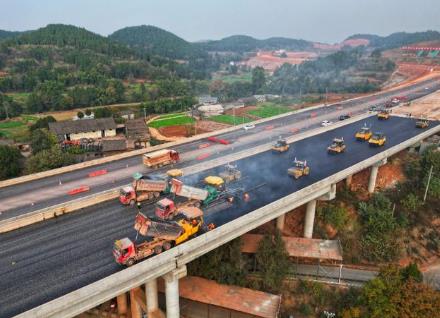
[(133, 153), (70, 206), (96, 293)]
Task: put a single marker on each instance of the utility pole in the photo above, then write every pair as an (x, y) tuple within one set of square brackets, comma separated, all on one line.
[(427, 184), (233, 114)]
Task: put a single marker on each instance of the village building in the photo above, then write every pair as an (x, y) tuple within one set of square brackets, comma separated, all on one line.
[(86, 128)]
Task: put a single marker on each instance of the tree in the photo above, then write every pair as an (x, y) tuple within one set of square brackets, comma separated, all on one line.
[(88, 112), (42, 139), (224, 265), (80, 115), (9, 162), (272, 262), (42, 123), (411, 271), (258, 79), (103, 112), (48, 159)]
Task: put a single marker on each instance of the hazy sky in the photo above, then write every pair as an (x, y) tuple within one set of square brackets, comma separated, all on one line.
[(318, 20)]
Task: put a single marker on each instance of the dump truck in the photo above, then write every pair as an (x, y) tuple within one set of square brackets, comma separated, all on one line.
[(160, 158), (299, 169), (378, 139), (231, 173), (162, 235), (422, 123), (143, 188), (383, 114), (337, 146), (364, 134), (280, 146)]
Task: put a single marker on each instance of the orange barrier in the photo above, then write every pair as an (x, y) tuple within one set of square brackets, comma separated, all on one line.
[(97, 173), (314, 114), (204, 156), (294, 130), (79, 190), (268, 127), (204, 146)]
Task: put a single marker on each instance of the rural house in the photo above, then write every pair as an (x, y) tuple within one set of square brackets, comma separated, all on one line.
[(87, 128)]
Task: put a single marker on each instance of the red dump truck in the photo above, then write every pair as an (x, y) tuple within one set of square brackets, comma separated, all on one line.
[(163, 235), (160, 158), (142, 189)]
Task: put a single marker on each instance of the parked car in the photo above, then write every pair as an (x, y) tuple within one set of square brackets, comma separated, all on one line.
[(326, 123), (344, 117), (248, 126), (373, 108)]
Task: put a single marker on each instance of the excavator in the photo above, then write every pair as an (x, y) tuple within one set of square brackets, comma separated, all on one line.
[(337, 146), (299, 169)]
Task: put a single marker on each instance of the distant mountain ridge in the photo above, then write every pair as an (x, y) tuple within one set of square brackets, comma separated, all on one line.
[(9, 34), (398, 39)]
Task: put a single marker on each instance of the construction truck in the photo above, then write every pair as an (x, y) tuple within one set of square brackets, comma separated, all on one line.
[(160, 158), (299, 169), (160, 236), (174, 173), (422, 123), (143, 188), (383, 114), (337, 146), (215, 181), (364, 134), (378, 139), (280, 146), (231, 173)]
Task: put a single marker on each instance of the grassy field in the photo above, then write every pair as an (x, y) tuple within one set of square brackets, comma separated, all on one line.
[(19, 97), (243, 77), (174, 121), (18, 128), (229, 119), (269, 110), (171, 115)]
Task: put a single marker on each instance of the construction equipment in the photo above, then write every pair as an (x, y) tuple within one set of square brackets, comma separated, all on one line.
[(337, 146), (160, 158), (215, 182), (164, 236), (378, 139), (280, 146), (143, 188), (364, 134), (299, 169), (174, 173), (231, 173), (422, 123), (383, 114)]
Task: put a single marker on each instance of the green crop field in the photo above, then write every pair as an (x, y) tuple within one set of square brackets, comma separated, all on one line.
[(17, 129), (269, 110), (229, 119), (171, 115), (243, 77), (174, 121)]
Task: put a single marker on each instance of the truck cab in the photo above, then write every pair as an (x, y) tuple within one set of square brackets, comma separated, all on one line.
[(127, 195), (124, 252), (165, 208)]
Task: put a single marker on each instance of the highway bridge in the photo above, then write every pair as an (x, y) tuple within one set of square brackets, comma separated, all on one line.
[(64, 266), (35, 195)]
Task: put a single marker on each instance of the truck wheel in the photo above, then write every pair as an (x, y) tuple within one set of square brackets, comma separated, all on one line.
[(131, 261), (166, 246), (132, 203), (157, 249)]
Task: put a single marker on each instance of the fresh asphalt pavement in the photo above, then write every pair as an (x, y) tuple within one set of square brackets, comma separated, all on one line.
[(34, 195), (46, 260)]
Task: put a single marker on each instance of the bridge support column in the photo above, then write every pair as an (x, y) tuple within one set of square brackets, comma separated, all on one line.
[(136, 309), (373, 175), (151, 296), (310, 219), (280, 222), (121, 301), (172, 291), (348, 181)]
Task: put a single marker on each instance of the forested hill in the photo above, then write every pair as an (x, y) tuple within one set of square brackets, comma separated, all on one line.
[(398, 39), (61, 35), (156, 41), (244, 43), (8, 34)]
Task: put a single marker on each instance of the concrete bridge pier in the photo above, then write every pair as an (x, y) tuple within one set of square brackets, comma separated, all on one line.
[(151, 296), (172, 291), (280, 222), (311, 210), (136, 309), (348, 181), (373, 175), (121, 302)]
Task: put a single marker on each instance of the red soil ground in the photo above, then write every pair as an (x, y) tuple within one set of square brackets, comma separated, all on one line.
[(174, 131), (269, 62)]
